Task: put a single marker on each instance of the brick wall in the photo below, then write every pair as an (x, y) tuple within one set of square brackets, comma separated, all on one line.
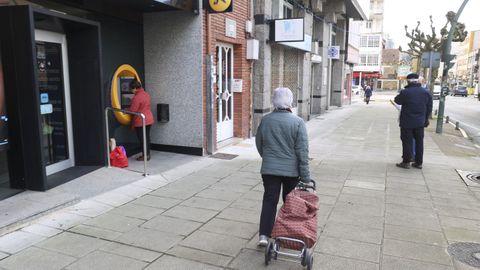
[(242, 67)]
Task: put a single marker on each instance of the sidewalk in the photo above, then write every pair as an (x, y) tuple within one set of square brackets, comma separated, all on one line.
[(204, 214)]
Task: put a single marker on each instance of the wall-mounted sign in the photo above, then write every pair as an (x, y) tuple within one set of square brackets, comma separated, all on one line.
[(219, 6), (237, 85), (287, 30), (333, 52), (230, 28), (46, 109), (305, 45), (44, 98)]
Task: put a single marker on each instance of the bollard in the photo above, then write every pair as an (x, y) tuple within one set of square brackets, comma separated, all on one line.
[(457, 125), (447, 119)]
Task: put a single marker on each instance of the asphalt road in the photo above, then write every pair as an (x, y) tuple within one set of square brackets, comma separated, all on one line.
[(466, 110)]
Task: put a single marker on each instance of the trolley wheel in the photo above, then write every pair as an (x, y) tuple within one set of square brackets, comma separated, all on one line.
[(268, 252), (309, 259), (304, 257)]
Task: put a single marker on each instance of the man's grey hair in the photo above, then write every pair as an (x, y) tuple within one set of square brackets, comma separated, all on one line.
[(282, 98)]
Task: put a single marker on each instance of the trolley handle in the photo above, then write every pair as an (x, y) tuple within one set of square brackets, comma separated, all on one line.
[(305, 186)]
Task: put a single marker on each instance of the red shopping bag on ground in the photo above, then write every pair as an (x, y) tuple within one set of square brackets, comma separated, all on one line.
[(118, 157)]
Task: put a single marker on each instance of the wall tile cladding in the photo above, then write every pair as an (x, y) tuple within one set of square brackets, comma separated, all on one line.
[(242, 66)]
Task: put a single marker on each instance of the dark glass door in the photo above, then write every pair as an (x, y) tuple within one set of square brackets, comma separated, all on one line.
[(55, 110)]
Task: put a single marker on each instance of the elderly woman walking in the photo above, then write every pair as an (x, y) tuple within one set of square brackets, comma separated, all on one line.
[(282, 142)]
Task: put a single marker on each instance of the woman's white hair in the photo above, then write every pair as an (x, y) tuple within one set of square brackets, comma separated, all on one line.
[(282, 98)]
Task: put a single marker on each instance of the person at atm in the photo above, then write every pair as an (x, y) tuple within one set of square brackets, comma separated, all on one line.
[(141, 104)]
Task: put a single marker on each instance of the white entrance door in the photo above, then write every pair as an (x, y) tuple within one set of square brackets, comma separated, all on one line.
[(224, 95), (55, 106)]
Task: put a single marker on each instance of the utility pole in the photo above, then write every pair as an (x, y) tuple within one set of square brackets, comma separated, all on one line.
[(447, 58)]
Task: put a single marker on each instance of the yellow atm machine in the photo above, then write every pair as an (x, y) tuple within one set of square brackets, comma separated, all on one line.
[(121, 95)]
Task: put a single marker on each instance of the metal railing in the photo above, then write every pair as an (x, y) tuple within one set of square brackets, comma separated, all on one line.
[(145, 158)]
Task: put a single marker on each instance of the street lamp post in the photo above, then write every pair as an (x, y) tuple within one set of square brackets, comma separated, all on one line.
[(447, 58)]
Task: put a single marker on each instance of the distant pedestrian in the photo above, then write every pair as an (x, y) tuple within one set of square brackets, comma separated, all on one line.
[(141, 104), (368, 93), (282, 142), (416, 109)]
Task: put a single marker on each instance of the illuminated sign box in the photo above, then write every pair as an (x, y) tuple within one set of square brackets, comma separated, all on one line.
[(287, 30)]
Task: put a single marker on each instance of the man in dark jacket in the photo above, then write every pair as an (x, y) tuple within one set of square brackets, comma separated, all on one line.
[(368, 93), (416, 104)]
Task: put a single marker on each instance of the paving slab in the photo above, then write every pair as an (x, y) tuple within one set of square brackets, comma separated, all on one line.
[(356, 219), (353, 232), (250, 259), (137, 211), (414, 251), (35, 258), (156, 201), (406, 201), (462, 223), (434, 238), (461, 235), (149, 239), (178, 193), (218, 194), (364, 185), (396, 263), (349, 249), (113, 198), (89, 208), (41, 230), (169, 262), (359, 199), (62, 220), (131, 252), (329, 262), (72, 244), (18, 240), (216, 243), (190, 213), (211, 204), (172, 225), (114, 222), (3, 255), (200, 256), (104, 260), (233, 228), (95, 232), (241, 215)]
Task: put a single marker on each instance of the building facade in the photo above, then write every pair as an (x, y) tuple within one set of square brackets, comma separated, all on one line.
[(77, 58), (372, 44), (304, 66)]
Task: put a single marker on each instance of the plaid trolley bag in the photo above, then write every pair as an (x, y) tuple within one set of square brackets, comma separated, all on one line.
[(296, 225)]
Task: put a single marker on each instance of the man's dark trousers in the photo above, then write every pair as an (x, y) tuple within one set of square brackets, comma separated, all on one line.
[(407, 135)]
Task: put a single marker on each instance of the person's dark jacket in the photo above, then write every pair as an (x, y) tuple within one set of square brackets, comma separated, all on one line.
[(416, 104), (368, 92)]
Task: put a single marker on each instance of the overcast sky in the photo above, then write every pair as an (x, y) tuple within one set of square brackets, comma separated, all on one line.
[(408, 12)]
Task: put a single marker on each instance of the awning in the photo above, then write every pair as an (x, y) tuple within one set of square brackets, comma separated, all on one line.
[(355, 11), (367, 74)]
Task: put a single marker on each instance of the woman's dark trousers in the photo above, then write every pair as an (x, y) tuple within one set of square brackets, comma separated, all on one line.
[(139, 131), (272, 185)]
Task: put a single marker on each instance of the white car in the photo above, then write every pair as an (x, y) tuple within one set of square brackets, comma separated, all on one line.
[(356, 89), (437, 89)]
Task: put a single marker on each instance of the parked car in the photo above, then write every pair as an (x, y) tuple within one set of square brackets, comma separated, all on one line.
[(460, 90), (356, 89), (437, 89)]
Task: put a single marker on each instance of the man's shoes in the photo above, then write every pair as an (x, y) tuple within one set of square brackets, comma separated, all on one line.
[(263, 241), (418, 166), (403, 165)]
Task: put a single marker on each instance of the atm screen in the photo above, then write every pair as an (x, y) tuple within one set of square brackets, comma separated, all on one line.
[(125, 91), (3, 112)]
